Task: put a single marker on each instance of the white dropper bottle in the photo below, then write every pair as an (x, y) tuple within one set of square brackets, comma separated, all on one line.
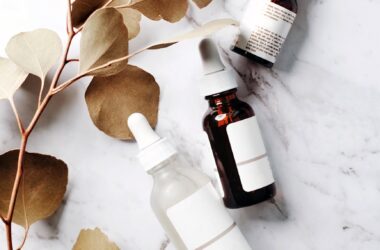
[(183, 198)]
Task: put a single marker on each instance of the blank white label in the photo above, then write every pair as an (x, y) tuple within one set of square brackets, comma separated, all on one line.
[(250, 154), (264, 28), (203, 222)]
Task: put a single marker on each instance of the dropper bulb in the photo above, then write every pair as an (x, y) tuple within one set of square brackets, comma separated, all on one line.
[(142, 131), (212, 62)]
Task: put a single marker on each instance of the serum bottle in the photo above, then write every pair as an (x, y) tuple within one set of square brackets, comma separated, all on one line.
[(183, 199), (234, 135), (264, 28)]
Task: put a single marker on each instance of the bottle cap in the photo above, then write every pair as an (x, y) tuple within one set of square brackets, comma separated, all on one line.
[(154, 149), (216, 77)]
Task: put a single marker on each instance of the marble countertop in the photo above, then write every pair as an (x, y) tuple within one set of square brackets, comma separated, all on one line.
[(318, 108)]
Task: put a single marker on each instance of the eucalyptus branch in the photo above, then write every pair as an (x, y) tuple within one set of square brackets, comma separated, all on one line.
[(8, 231), (72, 60), (57, 75), (24, 139), (15, 189), (27, 226), (121, 33), (41, 90), (17, 116), (66, 84), (69, 25)]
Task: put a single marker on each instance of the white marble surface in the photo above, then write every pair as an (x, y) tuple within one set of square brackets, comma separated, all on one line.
[(319, 110)]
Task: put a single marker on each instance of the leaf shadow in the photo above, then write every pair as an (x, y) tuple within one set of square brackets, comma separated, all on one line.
[(26, 98), (51, 224)]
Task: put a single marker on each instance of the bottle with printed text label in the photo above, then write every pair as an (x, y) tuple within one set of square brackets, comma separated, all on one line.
[(183, 199), (264, 28), (244, 170)]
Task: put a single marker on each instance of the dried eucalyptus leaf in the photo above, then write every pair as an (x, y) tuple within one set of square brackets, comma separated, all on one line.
[(124, 2), (169, 10), (82, 9), (45, 181), (11, 78), (35, 52), (132, 20), (94, 240), (110, 100), (202, 3), (104, 38), (131, 17), (201, 31)]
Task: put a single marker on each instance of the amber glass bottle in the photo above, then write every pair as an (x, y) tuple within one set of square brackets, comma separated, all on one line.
[(234, 136), (264, 28), (225, 109)]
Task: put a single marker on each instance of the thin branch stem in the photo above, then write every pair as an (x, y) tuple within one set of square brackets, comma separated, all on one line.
[(41, 90), (25, 216), (15, 189), (107, 3), (24, 239), (72, 60), (3, 219), (70, 28), (53, 85), (66, 84), (17, 116), (8, 232)]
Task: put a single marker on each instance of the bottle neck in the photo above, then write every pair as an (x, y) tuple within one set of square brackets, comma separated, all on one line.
[(163, 168), (222, 99)]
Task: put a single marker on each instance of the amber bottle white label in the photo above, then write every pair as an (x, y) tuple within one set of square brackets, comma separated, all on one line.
[(250, 154), (264, 29), (203, 223)]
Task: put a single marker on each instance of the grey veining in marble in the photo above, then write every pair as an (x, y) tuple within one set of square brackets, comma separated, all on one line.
[(318, 108)]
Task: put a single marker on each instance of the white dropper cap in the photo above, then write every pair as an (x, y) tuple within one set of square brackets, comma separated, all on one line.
[(154, 149), (216, 78)]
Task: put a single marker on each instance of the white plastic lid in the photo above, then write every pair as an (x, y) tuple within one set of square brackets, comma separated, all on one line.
[(216, 78), (154, 149)]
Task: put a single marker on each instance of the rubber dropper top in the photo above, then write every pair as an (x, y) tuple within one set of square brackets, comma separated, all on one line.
[(217, 78), (142, 131), (212, 62), (154, 149)]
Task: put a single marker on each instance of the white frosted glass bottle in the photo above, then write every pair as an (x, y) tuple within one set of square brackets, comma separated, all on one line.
[(183, 198)]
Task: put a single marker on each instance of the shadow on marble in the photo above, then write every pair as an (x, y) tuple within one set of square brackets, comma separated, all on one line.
[(273, 210), (26, 98), (26, 101), (52, 223), (296, 38)]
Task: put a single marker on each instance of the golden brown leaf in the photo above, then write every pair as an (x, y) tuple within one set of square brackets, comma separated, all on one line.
[(104, 38), (82, 9), (110, 100), (94, 240), (202, 3), (169, 10), (132, 20), (45, 181)]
